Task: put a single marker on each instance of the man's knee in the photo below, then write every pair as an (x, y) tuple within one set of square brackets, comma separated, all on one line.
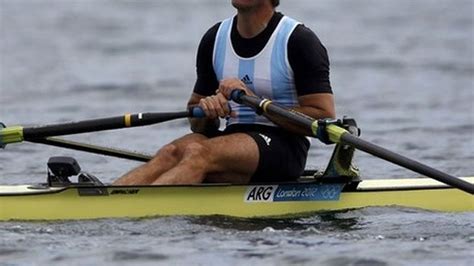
[(169, 151), (196, 150)]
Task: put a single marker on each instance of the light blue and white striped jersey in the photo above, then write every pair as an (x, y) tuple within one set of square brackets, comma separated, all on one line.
[(268, 74)]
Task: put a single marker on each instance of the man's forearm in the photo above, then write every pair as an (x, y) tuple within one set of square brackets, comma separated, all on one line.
[(314, 112)]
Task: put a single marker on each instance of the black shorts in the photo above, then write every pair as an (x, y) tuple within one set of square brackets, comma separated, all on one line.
[(282, 154)]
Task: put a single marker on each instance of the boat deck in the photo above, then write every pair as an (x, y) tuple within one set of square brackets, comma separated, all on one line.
[(364, 185)]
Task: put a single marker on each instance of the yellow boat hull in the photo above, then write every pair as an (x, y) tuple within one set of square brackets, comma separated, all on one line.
[(23, 202)]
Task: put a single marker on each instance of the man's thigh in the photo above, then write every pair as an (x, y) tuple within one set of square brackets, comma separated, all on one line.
[(234, 158)]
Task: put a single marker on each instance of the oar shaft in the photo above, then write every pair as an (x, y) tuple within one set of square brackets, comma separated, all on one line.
[(406, 162), (101, 124), (301, 123), (69, 144), (309, 126), (18, 134)]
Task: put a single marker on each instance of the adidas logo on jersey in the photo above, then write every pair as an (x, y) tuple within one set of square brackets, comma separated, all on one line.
[(267, 139), (246, 79)]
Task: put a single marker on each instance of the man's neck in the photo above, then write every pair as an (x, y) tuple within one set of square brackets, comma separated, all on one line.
[(251, 22)]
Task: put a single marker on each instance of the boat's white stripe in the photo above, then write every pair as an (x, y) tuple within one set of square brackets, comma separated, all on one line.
[(13, 189), (368, 184), (401, 183)]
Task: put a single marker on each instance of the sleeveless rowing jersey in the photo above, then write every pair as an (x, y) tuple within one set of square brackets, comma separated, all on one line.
[(268, 74)]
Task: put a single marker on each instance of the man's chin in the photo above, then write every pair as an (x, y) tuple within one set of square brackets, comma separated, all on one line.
[(244, 6)]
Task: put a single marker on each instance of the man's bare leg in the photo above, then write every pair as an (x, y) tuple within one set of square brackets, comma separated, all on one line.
[(165, 159), (231, 158)]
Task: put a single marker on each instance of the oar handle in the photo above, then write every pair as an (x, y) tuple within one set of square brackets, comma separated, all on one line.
[(236, 95), (196, 112)]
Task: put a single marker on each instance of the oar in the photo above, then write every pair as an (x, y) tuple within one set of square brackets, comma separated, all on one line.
[(86, 147), (18, 133), (303, 124)]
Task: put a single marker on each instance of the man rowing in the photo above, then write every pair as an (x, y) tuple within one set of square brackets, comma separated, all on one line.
[(263, 53)]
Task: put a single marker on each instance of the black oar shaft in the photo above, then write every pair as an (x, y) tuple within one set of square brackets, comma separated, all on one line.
[(18, 133), (300, 123), (69, 144), (129, 120), (309, 127), (406, 162)]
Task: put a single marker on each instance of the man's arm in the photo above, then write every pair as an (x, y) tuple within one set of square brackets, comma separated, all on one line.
[(309, 60), (317, 105), (206, 82)]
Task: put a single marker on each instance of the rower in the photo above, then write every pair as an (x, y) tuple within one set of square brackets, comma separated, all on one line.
[(263, 53)]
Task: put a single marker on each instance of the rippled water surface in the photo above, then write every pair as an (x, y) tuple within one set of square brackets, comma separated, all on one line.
[(404, 69)]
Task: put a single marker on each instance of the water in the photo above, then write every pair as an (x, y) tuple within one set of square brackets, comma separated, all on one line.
[(404, 69), (373, 236)]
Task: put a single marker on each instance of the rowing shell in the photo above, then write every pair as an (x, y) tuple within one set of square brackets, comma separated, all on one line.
[(42, 202)]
